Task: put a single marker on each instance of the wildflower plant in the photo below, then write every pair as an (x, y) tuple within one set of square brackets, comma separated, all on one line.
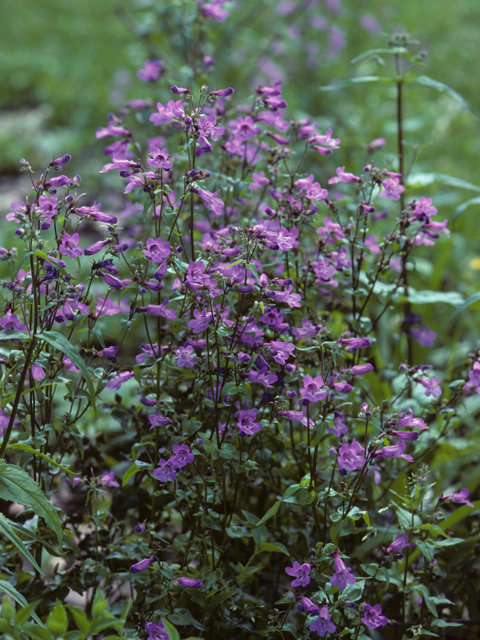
[(265, 470)]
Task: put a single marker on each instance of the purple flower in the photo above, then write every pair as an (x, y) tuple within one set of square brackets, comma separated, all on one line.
[(157, 250), (350, 457), (313, 389), (292, 299), (246, 422), (394, 451), (159, 420), (114, 128), (140, 566), (165, 113), (307, 605), (65, 160), (392, 188), (59, 181), (244, 129), (339, 427), (159, 310), (210, 200), (342, 176), (263, 377), (95, 213), (118, 164), (207, 126), (432, 388), (424, 336), (182, 456), (201, 321), (165, 472), (140, 528), (178, 91), (69, 246), (280, 351), (324, 143), (301, 574), (186, 357), (222, 92), (356, 343), (151, 71), (297, 416), (423, 210), (408, 436), (259, 181), (372, 617), (158, 158), (96, 247), (459, 498), (114, 282), (118, 379), (10, 322), (343, 575), (156, 631), (323, 624), (4, 420), (409, 420), (108, 479), (400, 542), (190, 583), (109, 353), (361, 369)]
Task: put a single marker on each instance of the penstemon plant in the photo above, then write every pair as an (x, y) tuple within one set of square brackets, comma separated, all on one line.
[(243, 327)]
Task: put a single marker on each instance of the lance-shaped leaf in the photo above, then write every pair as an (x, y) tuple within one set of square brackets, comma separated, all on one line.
[(359, 80), (9, 533), (7, 588), (424, 179), (440, 86), (464, 206), (25, 447), (61, 343), (17, 486), (394, 51)]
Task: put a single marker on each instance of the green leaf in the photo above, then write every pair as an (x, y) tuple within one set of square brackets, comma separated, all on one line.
[(273, 546), (6, 587), (23, 615), (427, 548), (80, 618), (438, 622), (464, 206), (353, 592), (171, 630), (17, 486), (440, 86), (431, 297), (35, 632), (359, 80), (228, 451), (394, 51), (425, 179), (61, 343), (99, 604), (9, 533), (129, 473), (341, 528), (270, 513), (25, 447), (57, 622), (471, 300)]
